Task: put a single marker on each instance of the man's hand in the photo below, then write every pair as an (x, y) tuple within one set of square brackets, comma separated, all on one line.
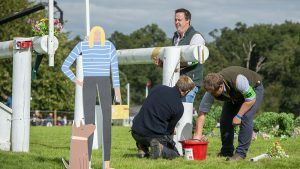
[(158, 62), (236, 121), (80, 83), (197, 137)]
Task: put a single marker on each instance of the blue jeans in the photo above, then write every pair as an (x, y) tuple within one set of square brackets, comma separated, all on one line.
[(190, 97)]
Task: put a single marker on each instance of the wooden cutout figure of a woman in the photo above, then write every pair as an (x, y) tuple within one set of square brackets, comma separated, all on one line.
[(100, 63)]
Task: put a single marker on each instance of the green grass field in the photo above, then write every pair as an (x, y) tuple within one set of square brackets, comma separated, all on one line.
[(49, 145)]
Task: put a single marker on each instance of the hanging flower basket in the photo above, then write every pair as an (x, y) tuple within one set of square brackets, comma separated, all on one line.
[(41, 27)]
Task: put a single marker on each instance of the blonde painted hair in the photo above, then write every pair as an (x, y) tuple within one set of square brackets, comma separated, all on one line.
[(92, 34)]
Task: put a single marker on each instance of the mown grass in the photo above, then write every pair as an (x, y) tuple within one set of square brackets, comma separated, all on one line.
[(49, 145)]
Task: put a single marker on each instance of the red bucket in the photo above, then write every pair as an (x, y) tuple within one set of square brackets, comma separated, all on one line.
[(194, 149)]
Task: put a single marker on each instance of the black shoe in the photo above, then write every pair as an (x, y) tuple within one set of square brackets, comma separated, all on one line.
[(235, 157), (221, 154), (155, 149)]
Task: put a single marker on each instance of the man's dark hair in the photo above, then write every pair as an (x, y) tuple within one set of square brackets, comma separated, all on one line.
[(212, 81), (187, 13)]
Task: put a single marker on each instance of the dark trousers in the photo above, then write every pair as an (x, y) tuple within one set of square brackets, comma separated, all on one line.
[(229, 111), (169, 150), (89, 91)]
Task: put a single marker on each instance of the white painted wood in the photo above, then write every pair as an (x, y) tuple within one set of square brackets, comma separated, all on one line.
[(184, 127), (40, 44), (21, 98), (147, 55), (87, 17), (171, 62), (78, 113), (6, 49), (51, 50), (5, 126)]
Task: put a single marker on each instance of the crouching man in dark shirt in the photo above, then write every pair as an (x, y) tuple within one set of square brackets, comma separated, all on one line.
[(154, 125)]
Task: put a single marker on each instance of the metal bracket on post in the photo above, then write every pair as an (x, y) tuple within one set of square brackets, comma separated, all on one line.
[(22, 44)]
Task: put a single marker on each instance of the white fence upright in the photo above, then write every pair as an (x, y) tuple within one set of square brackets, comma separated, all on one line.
[(21, 95), (51, 38)]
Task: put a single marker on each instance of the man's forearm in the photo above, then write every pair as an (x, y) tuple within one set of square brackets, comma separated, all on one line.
[(199, 126), (246, 106)]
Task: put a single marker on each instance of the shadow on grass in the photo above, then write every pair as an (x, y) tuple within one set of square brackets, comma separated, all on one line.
[(130, 155), (56, 160), (51, 146)]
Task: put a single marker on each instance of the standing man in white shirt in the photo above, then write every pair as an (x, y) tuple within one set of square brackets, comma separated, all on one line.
[(186, 35)]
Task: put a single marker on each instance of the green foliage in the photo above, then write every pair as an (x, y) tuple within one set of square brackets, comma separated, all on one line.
[(215, 112), (265, 122), (211, 119), (209, 125), (286, 124), (275, 123), (8, 31), (297, 122)]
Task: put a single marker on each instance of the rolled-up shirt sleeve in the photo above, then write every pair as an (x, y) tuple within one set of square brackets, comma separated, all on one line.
[(242, 84), (206, 102)]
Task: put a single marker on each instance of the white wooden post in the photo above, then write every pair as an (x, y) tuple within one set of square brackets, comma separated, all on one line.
[(78, 114), (21, 96), (170, 64), (184, 127), (51, 50)]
